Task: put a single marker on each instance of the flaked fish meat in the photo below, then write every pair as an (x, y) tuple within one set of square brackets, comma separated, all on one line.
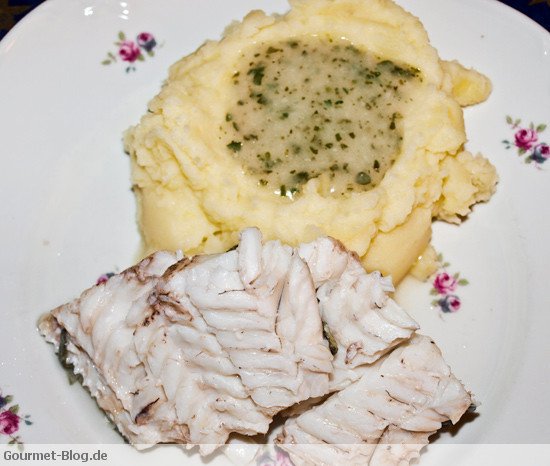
[(193, 349), (383, 418)]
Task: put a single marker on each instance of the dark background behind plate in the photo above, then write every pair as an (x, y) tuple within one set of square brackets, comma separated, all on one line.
[(12, 11)]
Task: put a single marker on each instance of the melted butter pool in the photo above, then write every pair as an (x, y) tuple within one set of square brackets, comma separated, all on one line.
[(309, 108)]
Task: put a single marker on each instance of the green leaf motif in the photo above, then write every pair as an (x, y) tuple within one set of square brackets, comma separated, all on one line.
[(463, 282), (434, 292), (14, 409), (541, 128), (508, 119), (121, 35), (140, 57), (106, 62)]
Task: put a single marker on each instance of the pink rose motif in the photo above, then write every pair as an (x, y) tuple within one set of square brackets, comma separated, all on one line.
[(526, 138), (449, 303), (129, 51), (282, 459), (267, 458), (444, 283), (146, 41), (104, 277), (9, 423), (544, 150), (540, 154)]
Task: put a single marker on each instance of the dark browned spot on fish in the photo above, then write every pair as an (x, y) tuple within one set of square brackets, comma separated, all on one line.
[(355, 256), (170, 299), (143, 416), (284, 438), (156, 306), (177, 267), (341, 248), (338, 245), (139, 270), (151, 317)]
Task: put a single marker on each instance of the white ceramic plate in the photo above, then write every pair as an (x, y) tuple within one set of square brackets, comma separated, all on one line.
[(68, 211)]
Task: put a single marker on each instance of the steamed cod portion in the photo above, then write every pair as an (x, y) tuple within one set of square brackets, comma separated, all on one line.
[(383, 418), (189, 350), (337, 118)]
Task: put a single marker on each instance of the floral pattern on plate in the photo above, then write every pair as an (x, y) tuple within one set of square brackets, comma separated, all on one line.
[(11, 420), (273, 456), (104, 277), (132, 51), (527, 141), (445, 286)]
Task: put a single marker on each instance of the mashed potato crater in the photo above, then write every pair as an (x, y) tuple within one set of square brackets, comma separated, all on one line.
[(309, 108), (337, 118)]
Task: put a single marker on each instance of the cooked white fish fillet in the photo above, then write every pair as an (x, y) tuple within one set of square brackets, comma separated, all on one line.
[(157, 380), (386, 416), (189, 350), (260, 304), (355, 307), (96, 335)]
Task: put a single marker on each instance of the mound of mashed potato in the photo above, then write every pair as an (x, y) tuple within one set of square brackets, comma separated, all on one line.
[(337, 118)]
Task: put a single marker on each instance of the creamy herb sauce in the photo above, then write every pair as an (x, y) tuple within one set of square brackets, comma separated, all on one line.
[(303, 109)]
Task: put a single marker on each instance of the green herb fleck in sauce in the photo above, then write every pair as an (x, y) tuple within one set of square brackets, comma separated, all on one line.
[(235, 146)]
